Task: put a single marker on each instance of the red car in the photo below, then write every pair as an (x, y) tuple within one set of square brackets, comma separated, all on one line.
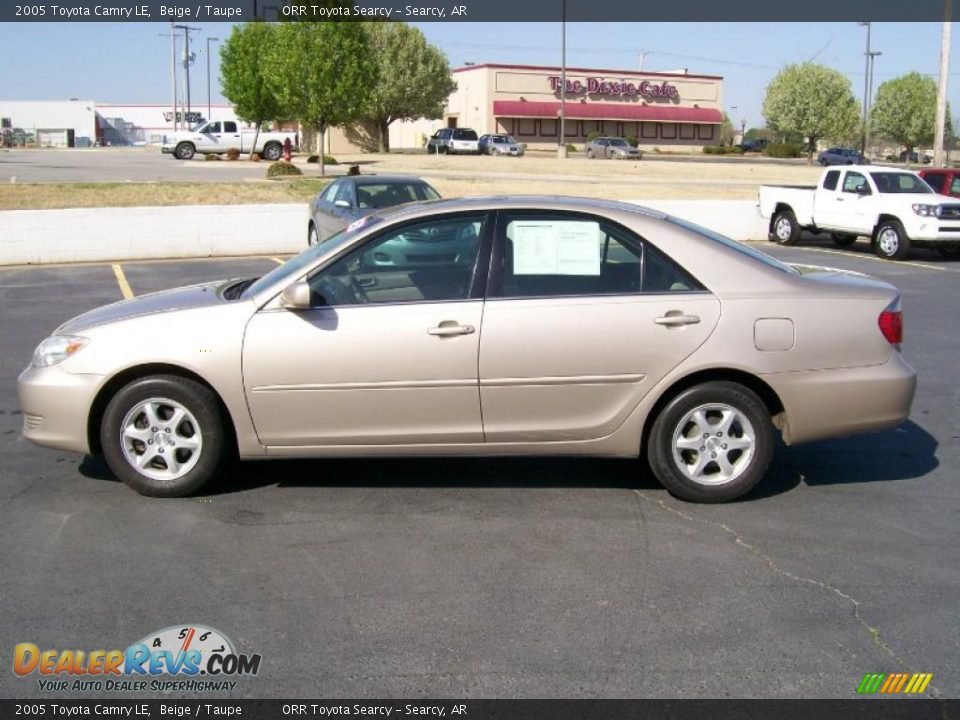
[(944, 181)]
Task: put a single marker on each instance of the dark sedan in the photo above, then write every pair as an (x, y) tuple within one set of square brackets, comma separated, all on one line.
[(348, 199)]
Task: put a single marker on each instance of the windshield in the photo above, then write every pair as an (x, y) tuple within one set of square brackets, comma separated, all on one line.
[(899, 182), (734, 245), (292, 267), (619, 142)]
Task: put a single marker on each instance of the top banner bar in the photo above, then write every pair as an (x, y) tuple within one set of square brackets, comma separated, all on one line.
[(199, 11)]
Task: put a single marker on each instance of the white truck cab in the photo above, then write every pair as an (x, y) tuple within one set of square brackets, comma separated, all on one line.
[(895, 208)]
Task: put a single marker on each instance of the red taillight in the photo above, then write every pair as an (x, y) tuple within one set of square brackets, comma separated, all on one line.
[(891, 325)]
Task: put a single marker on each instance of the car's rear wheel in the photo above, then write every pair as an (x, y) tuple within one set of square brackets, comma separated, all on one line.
[(164, 435), (842, 239), (312, 236), (785, 230), (272, 151), (185, 151), (711, 443), (890, 241), (951, 252)]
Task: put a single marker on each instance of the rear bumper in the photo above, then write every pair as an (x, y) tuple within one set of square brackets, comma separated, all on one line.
[(55, 406), (823, 404)]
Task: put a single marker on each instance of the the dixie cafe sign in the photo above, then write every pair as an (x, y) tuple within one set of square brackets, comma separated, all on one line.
[(599, 86)]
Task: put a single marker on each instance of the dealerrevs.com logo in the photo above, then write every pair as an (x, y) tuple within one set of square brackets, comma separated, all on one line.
[(182, 658)]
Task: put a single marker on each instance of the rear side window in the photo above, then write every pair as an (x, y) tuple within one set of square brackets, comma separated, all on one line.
[(955, 186), (831, 179), (229, 126)]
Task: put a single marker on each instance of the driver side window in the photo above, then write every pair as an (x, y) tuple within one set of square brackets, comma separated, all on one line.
[(429, 261), (212, 128), (855, 183)]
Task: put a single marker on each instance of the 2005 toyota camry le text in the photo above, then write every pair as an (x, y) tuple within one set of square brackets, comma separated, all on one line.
[(483, 326)]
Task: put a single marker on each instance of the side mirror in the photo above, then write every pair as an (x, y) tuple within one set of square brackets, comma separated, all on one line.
[(342, 204), (296, 296)]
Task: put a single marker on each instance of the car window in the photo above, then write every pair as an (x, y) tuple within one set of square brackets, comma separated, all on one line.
[(560, 255), (853, 182), (346, 193), (331, 192), (429, 261), (229, 126), (899, 182), (212, 128), (955, 186), (936, 181), (384, 195), (830, 180), (464, 135)]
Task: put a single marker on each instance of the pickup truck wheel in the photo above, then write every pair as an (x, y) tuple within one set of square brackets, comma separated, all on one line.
[(891, 241), (784, 229), (950, 252), (843, 240), (185, 151), (272, 152)]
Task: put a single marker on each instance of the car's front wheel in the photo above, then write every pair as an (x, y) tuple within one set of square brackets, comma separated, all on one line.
[(185, 151), (712, 442), (164, 435), (890, 241)]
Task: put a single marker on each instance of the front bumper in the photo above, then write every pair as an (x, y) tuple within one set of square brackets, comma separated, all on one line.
[(823, 404), (56, 405), (934, 231)]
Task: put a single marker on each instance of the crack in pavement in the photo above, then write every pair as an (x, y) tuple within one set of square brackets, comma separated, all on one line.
[(874, 632)]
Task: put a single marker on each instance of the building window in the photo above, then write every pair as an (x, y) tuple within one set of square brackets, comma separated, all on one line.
[(505, 125), (705, 132), (571, 128), (631, 129), (548, 128), (688, 131), (668, 131), (590, 126), (648, 130), (526, 127)]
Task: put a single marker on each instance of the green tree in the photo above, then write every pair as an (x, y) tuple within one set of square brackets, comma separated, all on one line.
[(323, 73), (414, 78), (243, 75), (905, 111), (813, 101)]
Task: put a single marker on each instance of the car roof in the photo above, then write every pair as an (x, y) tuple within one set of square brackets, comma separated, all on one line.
[(385, 179), (876, 168), (518, 202)]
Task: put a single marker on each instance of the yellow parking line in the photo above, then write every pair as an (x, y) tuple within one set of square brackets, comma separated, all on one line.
[(122, 282), (278, 261), (870, 257)]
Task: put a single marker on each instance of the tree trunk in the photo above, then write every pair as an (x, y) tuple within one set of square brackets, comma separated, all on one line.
[(321, 131), (383, 129), (256, 134)]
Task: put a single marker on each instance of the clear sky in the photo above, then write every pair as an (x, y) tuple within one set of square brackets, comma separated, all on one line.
[(130, 62)]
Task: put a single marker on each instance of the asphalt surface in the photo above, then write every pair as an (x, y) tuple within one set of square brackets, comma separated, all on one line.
[(501, 578)]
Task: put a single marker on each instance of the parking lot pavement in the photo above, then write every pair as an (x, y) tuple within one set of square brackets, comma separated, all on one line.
[(501, 578)]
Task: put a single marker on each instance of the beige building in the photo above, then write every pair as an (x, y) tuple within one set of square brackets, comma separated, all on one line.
[(673, 110)]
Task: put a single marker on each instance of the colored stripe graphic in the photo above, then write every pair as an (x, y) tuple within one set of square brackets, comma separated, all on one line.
[(894, 683)]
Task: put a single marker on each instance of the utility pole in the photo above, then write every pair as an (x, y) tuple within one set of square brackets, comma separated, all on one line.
[(643, 56), (187, 61), (866, 91), (209, 104), (939, 145), (173, 72), (561, 141)]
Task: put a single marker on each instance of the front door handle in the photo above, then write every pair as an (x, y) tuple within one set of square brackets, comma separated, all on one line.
[(677, 320), (450, 328)]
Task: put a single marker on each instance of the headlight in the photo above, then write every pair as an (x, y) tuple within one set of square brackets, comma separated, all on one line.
[(56, 349), (925, 210)]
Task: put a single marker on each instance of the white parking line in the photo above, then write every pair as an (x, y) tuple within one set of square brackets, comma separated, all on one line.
[(871, 257), (278, 261)]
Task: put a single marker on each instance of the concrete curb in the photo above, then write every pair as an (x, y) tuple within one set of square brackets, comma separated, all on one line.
[(35, 237)]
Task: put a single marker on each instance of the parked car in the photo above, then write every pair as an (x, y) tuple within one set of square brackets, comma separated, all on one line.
[(454, 140), (944, 181), (896, 209), (219, 136), (348, 199), (754, 145), (499, 145), (841, 156), (612, 147), (915, 158), (388, 339)]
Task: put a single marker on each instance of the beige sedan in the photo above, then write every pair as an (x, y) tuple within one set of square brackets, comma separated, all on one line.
[(492, 326)]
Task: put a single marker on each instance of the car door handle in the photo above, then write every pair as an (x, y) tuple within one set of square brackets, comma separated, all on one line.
[(840, 199), (676, 320), (448, 328)]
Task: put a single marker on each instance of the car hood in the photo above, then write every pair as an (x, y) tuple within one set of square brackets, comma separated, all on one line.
[(183, 298)]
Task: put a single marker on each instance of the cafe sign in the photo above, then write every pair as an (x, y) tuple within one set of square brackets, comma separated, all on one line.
[(599, 86)]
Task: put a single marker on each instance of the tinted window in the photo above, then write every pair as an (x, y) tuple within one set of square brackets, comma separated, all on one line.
[(464, 135), (213, 127), (897, 182), (936, 181), (388, 194), (230, 127), (427, 261), (830, 180), (853, 182), (552, 255), (955, 186)]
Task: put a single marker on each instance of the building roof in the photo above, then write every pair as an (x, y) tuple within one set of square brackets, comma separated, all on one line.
[(597, 71), (607, 111)]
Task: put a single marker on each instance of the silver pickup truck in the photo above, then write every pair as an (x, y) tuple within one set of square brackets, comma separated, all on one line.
[(895, 208), (218, 136)]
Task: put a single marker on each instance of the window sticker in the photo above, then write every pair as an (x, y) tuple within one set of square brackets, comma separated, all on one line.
[(543, 247)]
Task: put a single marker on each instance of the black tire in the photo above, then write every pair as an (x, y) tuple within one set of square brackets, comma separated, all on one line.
[(272, 151), (590, 153), (784, 228), (890, 241), (843, 240), (313, 237), (185, 151), (950, 252), (200, 402), (673, 420)]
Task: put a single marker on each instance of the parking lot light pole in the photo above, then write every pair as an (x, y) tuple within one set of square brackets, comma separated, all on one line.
[(209, 104), (561, 141), (866, 90), (939, 144)]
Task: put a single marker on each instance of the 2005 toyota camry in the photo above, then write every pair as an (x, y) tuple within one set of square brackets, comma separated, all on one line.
[(485, 326)]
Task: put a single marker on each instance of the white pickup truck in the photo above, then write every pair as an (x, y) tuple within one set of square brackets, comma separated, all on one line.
[(896, 209), (218, 136)]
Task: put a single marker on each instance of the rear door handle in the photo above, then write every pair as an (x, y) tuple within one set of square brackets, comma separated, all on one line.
[(676, 320), (449, 328)]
